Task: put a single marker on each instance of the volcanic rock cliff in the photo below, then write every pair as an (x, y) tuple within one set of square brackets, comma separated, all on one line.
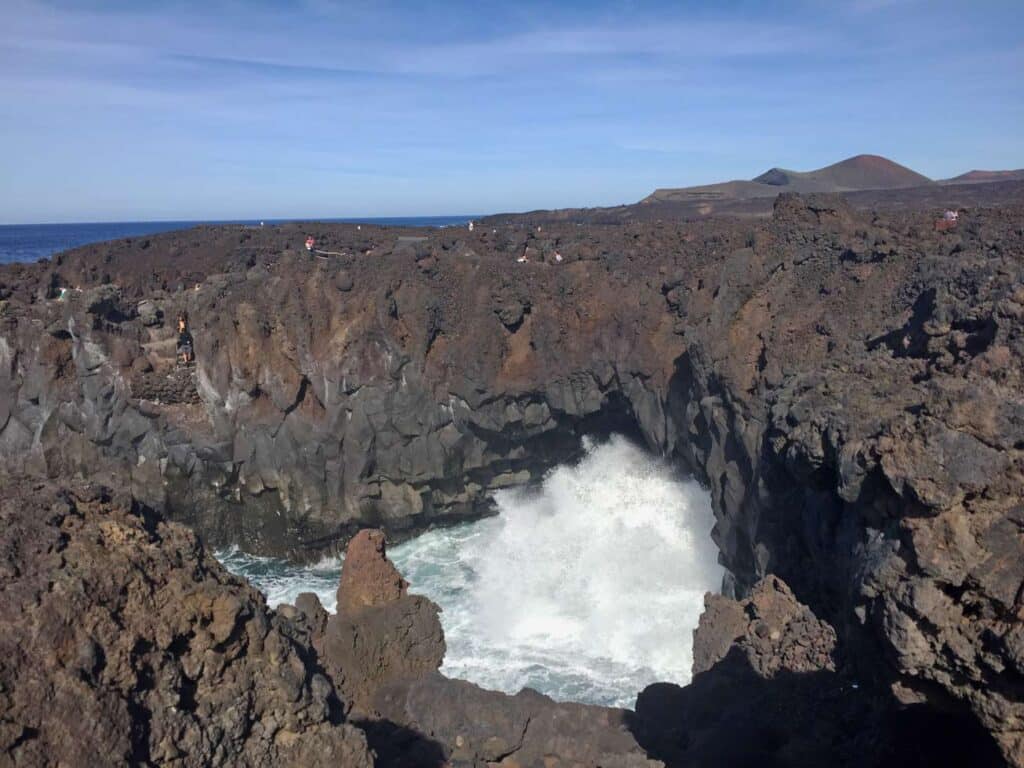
[(125, 644), (847, 385)]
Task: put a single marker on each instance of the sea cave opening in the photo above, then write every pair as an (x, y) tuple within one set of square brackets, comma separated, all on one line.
[(586, 587)]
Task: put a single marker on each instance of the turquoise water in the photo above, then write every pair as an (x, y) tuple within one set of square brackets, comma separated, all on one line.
[(31, 242), (587, 590)]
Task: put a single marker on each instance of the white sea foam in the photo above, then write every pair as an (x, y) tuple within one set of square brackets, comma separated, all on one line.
[(587, 588)]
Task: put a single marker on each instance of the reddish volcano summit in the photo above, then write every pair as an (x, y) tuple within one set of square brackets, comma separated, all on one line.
[(858, 172)]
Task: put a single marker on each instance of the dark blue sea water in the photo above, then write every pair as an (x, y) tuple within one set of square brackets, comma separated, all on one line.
[(30, 242)]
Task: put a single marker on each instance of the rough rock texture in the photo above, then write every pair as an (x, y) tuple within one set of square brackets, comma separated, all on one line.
[(847, 385), (368, 578), (383, 649), (774, 631), (479, 727), (379, 633), (122, 643), (768, 690)]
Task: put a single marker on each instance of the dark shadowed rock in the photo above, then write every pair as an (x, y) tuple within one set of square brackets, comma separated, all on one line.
[(149, 313), (767, 691), (510, 311), (343, 281), (480, 727), (104, 301)]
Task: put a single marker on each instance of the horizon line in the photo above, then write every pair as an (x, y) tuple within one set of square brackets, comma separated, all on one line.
[(237, 220)]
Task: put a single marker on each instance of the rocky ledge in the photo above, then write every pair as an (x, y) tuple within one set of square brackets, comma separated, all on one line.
[(846, 384)]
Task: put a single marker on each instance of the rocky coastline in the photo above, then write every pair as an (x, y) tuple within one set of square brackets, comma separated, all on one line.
[(125, 643), (847, 384)]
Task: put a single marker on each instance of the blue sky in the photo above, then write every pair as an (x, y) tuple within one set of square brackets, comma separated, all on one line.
[(125, 109)]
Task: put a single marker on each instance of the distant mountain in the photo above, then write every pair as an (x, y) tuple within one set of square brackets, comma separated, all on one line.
[(853, 174), (983, 177), (860, 172), (866, 181)]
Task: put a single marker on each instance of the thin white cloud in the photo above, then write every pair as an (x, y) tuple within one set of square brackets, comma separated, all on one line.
[(270, 37)]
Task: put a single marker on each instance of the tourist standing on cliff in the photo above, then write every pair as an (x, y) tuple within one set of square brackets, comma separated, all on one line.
[(186, 351)]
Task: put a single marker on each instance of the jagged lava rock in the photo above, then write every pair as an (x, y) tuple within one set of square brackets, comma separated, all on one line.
[(770, 688), (122, 642), (775, 632), (846, 384), (368, 577), (383, 649), (379, 633), (481, 727)]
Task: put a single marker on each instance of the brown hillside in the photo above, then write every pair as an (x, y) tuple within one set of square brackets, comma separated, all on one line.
[(983, 177), (859, 172), (855, 173)]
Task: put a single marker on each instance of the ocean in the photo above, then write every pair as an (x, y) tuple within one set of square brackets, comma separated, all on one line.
[(587, 589), (31, 242)]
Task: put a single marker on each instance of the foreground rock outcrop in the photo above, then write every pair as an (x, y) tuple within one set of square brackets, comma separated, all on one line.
[(772, 686), (771, 628), (380, 633), (383, 649), (123, 643), (848, 386)]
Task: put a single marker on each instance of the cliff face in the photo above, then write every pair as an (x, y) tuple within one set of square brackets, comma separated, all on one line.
[(847, 386)]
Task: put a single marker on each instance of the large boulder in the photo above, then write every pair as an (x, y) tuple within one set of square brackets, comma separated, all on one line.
[(480, 727), (774, 631), (380, 633), (368, 577)]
